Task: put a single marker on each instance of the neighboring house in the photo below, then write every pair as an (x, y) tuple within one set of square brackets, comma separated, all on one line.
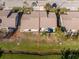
[(71, 21), (39, 4), (31, 22), (7, 22), (9, 4), (72, 5)]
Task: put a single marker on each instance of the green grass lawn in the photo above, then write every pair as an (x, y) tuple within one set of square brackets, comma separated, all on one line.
[(31, 45), (14, 56)]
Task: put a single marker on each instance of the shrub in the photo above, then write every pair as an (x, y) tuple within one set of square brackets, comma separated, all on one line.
[(70, 54)]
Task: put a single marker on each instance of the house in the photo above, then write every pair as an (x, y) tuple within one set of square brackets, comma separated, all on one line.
[(35, 20), (72, 5), (71, 21), (39, 4), (29, 22), (9, 4)]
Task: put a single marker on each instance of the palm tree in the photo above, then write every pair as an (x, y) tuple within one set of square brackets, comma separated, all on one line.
[(20, 12), (58, 17), (57, 13), (47, 8)]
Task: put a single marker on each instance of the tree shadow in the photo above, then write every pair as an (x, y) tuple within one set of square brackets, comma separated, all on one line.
[(12, 31)]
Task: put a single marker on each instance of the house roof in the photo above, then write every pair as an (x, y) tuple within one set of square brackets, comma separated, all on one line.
[(13, 3), (7, 22), (71, 21), (9, 4), (32, 21), (73, 5)]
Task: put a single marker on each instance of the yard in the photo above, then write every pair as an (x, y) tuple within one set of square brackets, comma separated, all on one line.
[(14, 56), (43, 43), (34, 46)]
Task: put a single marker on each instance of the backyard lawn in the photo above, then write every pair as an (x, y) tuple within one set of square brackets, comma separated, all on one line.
[(14, 56), (33, 46), (30, 43)]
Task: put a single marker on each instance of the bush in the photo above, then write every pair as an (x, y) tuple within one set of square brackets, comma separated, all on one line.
[(44, 33), (70, 54)]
